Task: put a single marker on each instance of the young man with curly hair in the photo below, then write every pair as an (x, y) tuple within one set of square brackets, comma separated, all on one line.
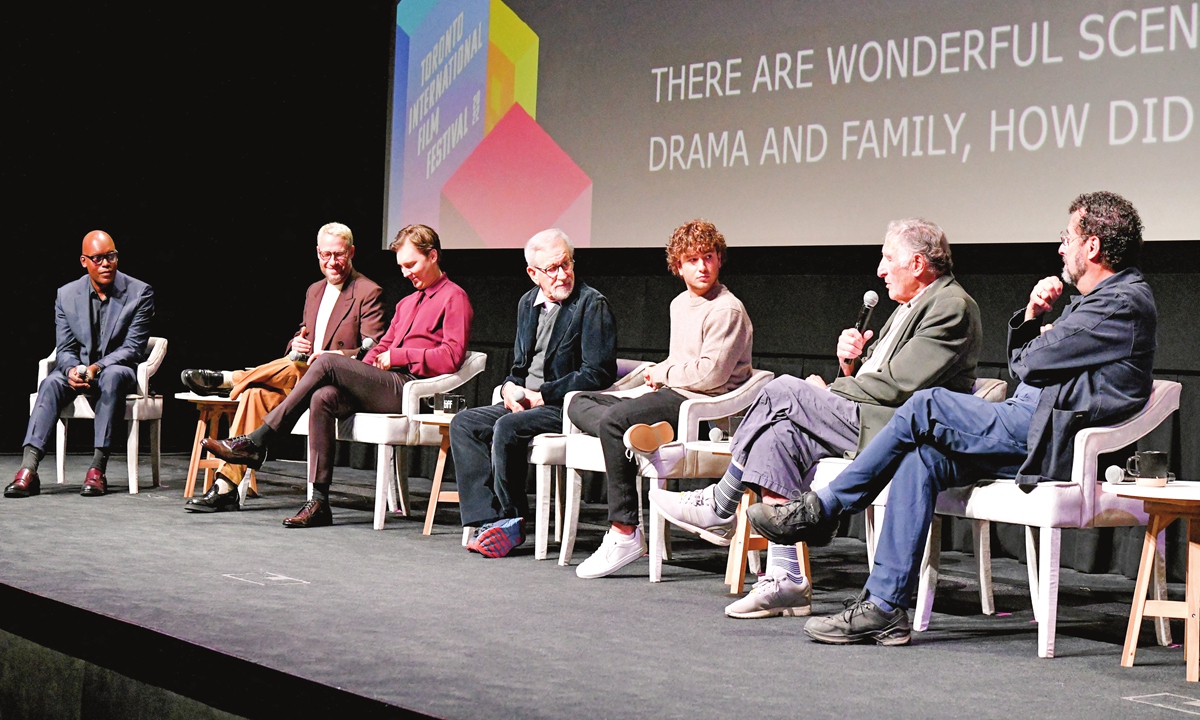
[(711, 340)]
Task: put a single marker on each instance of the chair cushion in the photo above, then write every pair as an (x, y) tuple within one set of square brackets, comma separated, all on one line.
[(548, 449), (376, 428), (136, 408), (1049, 505)]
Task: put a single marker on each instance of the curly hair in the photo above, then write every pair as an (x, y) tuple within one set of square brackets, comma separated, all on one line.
[(1116, 222), (697, 237), (423, 238)]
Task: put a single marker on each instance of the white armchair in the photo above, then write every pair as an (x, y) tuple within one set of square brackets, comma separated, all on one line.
[(387, 431), (139, 406), (671, 461), (1050, 507)]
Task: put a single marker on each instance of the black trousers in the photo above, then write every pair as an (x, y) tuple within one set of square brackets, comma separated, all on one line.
[(608, 417), (335, 386)]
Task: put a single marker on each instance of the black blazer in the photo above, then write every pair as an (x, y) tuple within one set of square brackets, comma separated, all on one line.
[(1094, 368), (582, 354)]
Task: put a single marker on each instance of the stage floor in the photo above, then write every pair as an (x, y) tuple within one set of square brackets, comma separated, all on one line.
[(418, 623)]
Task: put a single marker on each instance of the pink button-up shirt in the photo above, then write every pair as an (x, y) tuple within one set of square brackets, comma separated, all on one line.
[(429, 332)]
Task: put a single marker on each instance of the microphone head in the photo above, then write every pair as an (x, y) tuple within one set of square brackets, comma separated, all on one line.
[(518, 394), (716, 435), (368, 343), (1114, 474), (870, 298)]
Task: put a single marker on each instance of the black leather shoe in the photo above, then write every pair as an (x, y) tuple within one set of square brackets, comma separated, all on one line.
[(214, 501), (861, 621), (94, 484), (204, 382), (793, 522), (25, 483), (236, 450), (314, 513)]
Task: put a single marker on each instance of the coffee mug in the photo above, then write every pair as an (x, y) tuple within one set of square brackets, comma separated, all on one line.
[(1147, 464)]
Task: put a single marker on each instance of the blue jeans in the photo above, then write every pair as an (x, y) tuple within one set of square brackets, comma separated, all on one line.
[(937, 440), (491, 449), (107, 398)]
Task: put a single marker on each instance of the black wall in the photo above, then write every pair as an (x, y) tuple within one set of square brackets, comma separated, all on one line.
[(212, 141)]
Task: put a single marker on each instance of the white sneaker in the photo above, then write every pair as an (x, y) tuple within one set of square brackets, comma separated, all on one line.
[(696, 512), (774, 594), (617, 551)]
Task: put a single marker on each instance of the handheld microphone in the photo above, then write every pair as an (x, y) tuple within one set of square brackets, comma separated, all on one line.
[(1114, 473), (518, 395), (368, 343), (870, 300), (715, 435)]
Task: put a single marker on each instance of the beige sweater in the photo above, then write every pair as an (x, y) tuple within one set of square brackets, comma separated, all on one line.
[(711, 340)]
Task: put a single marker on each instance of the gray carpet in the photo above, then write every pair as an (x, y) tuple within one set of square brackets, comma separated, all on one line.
[(420, 623)]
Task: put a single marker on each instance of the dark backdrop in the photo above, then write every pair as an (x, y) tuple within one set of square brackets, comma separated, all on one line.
[(212, 141)]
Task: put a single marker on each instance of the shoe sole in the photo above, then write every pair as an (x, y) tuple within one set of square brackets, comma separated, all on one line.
[(708, 535), (803, 611), (495, 545), (23, 494), (209, 509), (880, 637), (648, 438), (287, 524)]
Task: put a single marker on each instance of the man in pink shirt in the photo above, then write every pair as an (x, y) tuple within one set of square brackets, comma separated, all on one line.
[(427, 337)]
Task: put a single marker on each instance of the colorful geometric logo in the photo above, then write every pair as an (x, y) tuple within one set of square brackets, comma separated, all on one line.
[(466, 154)]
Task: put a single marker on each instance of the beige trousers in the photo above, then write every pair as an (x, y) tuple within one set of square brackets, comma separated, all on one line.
[(258, 392)]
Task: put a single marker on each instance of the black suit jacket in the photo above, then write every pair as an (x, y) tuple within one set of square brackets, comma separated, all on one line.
[(126, 329), (582, 354), (1094, 367)]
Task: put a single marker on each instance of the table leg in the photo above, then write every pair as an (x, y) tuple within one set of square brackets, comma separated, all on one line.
[(436, 491), (1192, 622), (1145, 570), (194, 464)]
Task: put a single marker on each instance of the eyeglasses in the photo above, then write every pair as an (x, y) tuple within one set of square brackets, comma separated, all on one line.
[(1065, 237), (327, 256), (110, 257), (563, 267)]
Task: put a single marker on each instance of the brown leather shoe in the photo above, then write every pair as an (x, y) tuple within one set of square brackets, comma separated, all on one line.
[(315, 513), (236, 451), (25, 483), (94, 484)]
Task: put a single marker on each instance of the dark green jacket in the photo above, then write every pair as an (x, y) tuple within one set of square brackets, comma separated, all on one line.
[(938, 346)]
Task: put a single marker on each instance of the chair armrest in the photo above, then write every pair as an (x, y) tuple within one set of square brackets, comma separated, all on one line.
[(1090, 443), (45, 365), (149, 366), (633, 378), (711, 408), (414, 390)]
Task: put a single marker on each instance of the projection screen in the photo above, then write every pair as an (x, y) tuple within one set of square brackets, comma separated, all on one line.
[(788, 123)]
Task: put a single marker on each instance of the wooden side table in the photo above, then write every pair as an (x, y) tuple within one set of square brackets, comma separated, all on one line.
[(437, 495), (1165, 505), (212, 408)]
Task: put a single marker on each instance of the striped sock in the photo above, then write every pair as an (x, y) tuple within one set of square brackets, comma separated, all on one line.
[(728, 492), (787, 560)]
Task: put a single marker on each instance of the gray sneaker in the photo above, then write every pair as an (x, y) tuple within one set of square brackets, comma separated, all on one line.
[(696, 512), (861, 621), (773, 595)]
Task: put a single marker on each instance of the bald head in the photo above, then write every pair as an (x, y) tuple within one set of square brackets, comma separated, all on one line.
[(99, 258)]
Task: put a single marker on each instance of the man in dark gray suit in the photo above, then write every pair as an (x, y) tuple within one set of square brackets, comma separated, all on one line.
[(102, 324), (566, 340)]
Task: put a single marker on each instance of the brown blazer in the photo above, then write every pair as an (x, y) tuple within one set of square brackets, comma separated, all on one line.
[(356, 315)]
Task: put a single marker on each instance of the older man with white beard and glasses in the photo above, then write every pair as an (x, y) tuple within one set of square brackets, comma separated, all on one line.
[(566, 341)]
